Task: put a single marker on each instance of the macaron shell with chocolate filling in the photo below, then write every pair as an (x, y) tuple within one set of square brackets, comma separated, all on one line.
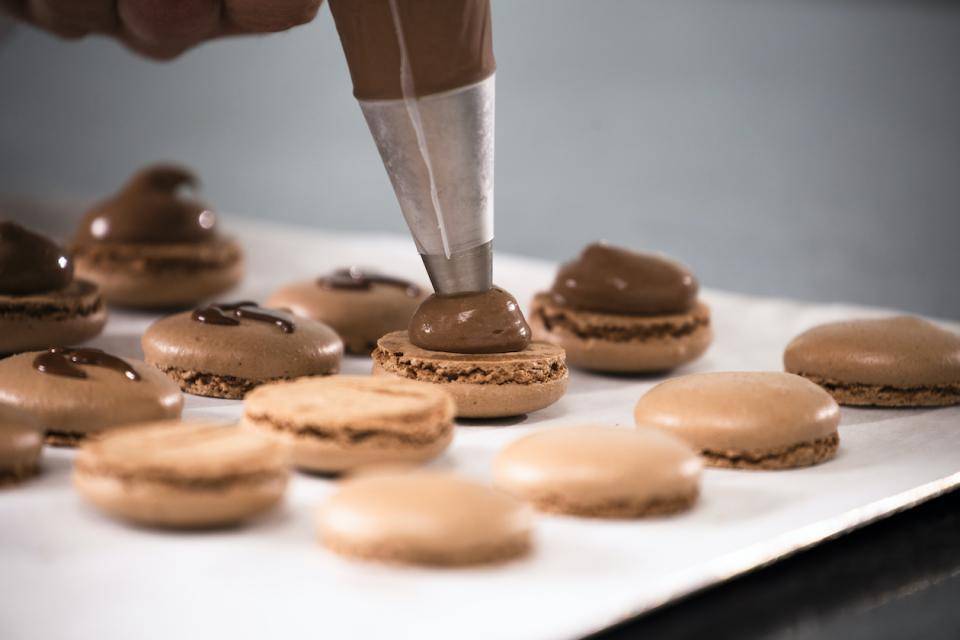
[(70, 409), (903, 361), (181, 475), (492, 385), (64, 317), (161, 276), (746, 419), (622, 343), (227, 361), (359, 316)]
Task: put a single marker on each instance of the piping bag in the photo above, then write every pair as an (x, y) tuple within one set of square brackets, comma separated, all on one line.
[(423, 73)]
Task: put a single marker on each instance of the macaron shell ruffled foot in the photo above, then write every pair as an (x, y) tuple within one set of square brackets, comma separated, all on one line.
[(152, 247), (74, 393), (902, 361), (746, 420), (41, 302), (225, 350), (619, 311)]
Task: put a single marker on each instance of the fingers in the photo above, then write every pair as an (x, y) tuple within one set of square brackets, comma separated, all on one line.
[(258, 16), (164, 28), (73, 18)]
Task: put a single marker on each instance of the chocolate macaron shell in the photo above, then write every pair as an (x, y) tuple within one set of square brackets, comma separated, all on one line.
[(66, 316), (181, 475), (597, 471), (898, 361), (760, 420), (423, 517), (340, 423), (21, 442), (358, 315), (227, 361), (161, 276), (72, 408), (622, 343), (483, 385)]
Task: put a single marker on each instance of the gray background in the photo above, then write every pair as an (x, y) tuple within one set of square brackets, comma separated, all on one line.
[(797, 148)]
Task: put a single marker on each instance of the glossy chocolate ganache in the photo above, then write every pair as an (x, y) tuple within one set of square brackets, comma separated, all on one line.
[(31, 263), (59, 361), (612, 280), (229, 315), (154, 207), (486, 322)]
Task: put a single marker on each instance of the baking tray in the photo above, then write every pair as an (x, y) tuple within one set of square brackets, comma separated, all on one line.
[(68, 572)]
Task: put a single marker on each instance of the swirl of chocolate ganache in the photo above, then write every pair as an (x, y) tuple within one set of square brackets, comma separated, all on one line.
[(59, 361), (30, 262), (485, 322), (612, 280), (358, 279), (229, 314), (151, 208)]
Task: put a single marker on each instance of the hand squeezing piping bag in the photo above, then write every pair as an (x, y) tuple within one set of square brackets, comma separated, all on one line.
[(423, 72)]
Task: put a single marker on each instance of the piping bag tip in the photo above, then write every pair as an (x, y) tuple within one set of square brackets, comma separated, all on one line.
[(465, 272)]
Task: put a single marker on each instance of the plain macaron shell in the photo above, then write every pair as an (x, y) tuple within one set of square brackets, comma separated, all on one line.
[(179, 474), (424, 517), (600, 471), (740, 410), (104, 398), (903, 352)]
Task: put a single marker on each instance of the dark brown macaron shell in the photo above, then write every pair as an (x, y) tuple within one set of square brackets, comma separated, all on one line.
[(484, 322), (151, 208), (31, 263), (608, 279)]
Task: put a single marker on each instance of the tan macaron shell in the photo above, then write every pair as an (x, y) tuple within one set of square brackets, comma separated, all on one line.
[(21, 442), (600, 471), (728, 412), (621, 343), (492, 385), (427, 518), (174, 474), (359, 316), (66, 317), (253, 351), (344, 422), (903, 352), (80, 406)]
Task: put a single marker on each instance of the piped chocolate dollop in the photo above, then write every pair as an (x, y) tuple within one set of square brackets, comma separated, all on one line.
[(487, 322), (152, 207), (613, 280), (355, 278), (229, 314), (59, 361), (30, 262)]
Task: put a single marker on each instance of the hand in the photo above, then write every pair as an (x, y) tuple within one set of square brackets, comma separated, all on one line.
[(162, 29)]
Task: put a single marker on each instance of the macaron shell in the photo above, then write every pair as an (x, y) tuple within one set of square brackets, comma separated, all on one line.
[(740, 411), (21, 443), (78, 315), (600, 471), (359, 316), (104, 399), (424, 518), (663, 342), (483, 385), (161, 276), (903, 352), (252, 350)]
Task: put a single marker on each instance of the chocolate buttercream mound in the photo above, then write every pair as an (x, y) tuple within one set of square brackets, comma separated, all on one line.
[(449, 44), (31, 263), (487, 322), (613, 280), (151, 208)]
